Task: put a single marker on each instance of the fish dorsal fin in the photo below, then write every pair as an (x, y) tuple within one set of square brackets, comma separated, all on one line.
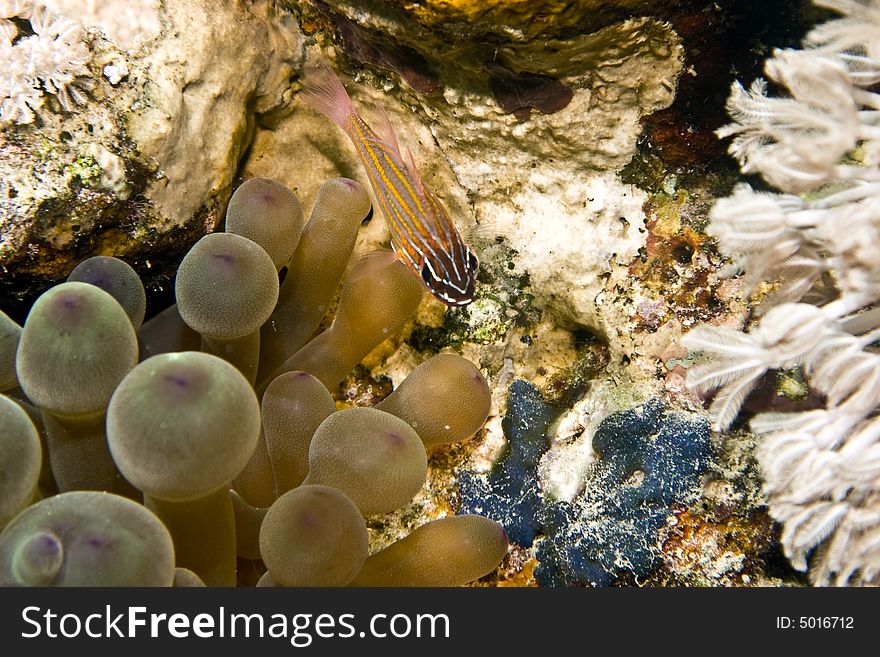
[(385, 131), (411, 166)]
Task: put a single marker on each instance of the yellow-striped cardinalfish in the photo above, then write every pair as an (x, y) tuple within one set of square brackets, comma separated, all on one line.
[(422, 234)]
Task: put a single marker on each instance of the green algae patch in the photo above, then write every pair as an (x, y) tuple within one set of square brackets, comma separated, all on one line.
[(503, 302)]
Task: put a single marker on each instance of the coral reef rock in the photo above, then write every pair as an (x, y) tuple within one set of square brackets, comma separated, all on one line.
[(647, 462), (524, 139), (141, 162)]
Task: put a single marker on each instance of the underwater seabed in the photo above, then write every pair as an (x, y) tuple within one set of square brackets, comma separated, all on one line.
[(663, 376)]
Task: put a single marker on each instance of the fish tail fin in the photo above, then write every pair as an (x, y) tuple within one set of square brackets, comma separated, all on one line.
[(323, 91)]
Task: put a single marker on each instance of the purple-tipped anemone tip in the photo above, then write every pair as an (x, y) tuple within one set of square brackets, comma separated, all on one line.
[(396, 439), (226, 258), (177, 380), (309, 520), (69, 302)]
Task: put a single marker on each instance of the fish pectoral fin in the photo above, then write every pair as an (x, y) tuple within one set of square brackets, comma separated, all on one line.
[(371, 262)]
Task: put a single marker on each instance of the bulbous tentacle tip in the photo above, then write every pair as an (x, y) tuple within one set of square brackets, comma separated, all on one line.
[(38, 559)]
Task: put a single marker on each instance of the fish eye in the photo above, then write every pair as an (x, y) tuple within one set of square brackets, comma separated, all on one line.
[(428, 274)]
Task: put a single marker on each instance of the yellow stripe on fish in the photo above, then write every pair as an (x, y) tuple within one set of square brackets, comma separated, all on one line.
[(422, 233)]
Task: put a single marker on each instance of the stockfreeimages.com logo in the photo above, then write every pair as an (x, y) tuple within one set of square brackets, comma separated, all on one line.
[(300, 629)]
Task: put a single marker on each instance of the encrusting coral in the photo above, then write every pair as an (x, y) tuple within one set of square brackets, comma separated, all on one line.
[(281, 476), (648, 463), (817, 243)]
